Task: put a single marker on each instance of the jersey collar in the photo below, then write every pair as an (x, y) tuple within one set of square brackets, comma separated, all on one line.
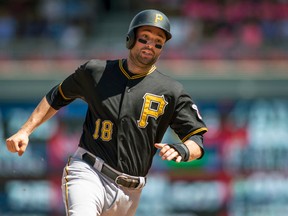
[(136, 76)]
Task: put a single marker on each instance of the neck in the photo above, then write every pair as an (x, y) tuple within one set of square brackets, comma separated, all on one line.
[(138, 68)]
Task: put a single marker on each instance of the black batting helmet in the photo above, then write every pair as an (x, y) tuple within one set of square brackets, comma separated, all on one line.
[(148, 18)]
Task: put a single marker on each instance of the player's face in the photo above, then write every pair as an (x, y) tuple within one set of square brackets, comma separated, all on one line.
[(149, 43)]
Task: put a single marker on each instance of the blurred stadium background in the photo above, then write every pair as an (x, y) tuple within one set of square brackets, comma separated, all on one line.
[(231, 55)]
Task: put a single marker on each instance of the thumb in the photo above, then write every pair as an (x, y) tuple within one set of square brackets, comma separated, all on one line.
[(159, 145), (22, 148)]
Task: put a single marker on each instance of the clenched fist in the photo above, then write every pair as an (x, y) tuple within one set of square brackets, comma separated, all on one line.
[(18, 142)]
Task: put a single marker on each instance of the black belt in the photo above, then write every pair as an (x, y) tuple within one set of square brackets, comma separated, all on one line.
[(118, 177)]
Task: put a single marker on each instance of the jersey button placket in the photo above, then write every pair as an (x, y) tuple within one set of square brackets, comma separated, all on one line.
[(122, 127), (128, 86), (121, 137)]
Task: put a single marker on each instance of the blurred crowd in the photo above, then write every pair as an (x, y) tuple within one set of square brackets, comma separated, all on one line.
[(202, 28), (43, 21), (258, 28)]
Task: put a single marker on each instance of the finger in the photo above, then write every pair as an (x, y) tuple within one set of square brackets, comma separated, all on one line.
[(10, 145), (13, 145), (168, 153), (159, 145), (22, 150), (164, 150), (172, 156), (178, 159)]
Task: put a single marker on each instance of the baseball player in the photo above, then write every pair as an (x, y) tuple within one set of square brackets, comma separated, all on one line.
[(130, 106)]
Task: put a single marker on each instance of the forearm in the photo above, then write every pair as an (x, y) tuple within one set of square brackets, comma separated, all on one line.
[(42, 113), (194, 149)]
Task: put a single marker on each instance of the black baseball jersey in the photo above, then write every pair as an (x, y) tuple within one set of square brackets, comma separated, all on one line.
[(127, 113)]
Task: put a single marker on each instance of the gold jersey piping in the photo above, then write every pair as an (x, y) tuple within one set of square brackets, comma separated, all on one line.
[(153, 68)]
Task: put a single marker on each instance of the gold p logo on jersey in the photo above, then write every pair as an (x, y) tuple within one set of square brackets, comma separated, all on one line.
[(158, 17), (153, 106)]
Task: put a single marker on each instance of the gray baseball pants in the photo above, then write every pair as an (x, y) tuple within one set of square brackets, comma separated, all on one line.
[(86, 191)]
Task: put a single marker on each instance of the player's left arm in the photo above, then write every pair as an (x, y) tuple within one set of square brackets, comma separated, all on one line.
[(188, 124)]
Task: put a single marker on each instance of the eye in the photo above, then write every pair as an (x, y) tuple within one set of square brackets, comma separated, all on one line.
[(158, 41), (144, 36)]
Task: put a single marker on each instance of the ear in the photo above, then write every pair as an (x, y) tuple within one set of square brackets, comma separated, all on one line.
[(130, 39)]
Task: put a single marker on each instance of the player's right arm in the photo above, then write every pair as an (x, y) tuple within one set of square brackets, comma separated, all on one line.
[(19, 141), (74, 86)]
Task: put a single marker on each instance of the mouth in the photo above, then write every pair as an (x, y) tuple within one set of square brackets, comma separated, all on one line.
[(147, 52)]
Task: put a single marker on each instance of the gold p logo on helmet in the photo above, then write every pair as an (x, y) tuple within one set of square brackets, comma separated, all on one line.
[(158, 17)]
